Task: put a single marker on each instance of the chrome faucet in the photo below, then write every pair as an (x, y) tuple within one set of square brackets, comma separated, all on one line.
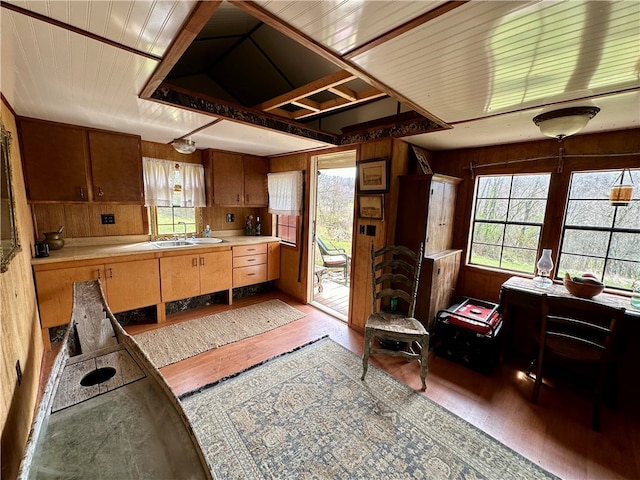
[(185, 229)]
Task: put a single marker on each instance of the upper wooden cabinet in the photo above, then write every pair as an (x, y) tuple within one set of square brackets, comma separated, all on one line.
[(65, 163), (234, 179), (55, 159), (116, 167)]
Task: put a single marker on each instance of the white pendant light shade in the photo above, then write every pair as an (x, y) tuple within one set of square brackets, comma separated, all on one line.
[(184, 145), (564, 122)]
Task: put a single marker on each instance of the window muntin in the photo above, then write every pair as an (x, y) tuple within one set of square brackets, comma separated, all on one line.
[(508, 216), (597, 237), (167, 218), (287, 228)]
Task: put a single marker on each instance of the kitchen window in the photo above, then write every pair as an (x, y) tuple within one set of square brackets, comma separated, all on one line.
[(173, 193), (507, 221), (287, 228), (597, 237)]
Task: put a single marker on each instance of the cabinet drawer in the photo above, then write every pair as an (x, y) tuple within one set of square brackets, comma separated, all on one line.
[(249, 260), (258, 248), (249, 275)]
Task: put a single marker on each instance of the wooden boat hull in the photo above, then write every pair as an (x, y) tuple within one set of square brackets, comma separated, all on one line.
[(106, 411)]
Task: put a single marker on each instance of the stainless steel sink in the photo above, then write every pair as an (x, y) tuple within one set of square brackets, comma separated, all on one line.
[(172, 243), (199, 241), (191, 242)]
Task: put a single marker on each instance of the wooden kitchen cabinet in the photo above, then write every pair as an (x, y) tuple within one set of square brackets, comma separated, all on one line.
[(55, 159), (65, 163), (273, 260), (255, 171), (249, 264), (194, 274), (236, 180), (116, 167), (127, 285), (438, 280)]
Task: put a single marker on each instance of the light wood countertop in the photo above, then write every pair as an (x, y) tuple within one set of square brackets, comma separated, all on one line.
[(71, 253)]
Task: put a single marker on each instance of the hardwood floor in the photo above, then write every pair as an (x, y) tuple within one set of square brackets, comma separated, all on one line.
[(556, 433)]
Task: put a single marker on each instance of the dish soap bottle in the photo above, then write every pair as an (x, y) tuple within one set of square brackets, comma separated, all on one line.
[(207, 231), (258, 227)]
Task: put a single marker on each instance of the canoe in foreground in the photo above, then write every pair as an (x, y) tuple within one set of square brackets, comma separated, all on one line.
[(106, 411)]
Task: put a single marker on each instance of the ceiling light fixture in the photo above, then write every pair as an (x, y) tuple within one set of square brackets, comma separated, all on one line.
[(564, 122), (184, 145)]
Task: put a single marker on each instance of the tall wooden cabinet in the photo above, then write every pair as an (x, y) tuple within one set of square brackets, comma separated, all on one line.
[(426, 207)]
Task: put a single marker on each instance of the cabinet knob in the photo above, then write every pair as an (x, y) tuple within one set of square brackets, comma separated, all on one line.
[(238, 198), (81, 192), (195, 262), (100, 192), (247, 198), (201, 260), (110, 273)]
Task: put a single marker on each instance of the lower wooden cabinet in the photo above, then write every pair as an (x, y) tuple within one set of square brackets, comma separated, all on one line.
[(438, 280), (127, 285), (249, 264), (185, 276), (273, 260)]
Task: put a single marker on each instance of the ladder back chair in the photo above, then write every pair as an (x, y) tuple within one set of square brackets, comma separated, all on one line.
[(395, 273), (581, 332)]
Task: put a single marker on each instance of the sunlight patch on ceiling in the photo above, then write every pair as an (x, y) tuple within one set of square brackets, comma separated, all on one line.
[(552, 50)]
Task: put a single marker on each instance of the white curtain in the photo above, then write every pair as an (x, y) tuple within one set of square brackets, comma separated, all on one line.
[(157, 186), (160, 177), (192, 185), (285, 193)]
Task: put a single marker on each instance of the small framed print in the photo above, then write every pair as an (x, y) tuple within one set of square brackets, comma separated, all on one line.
[(371, 206), (373, 175), (423, 163)]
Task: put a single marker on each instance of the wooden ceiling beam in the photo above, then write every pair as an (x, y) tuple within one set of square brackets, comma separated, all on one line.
[(316, 86), (308, 104), (336, 103), (344, 92)]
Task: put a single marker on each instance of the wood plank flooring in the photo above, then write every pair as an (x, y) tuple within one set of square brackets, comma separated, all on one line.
[(556, 433)]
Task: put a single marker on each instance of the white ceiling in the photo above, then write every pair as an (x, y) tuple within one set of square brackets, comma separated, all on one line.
[(486, 68)]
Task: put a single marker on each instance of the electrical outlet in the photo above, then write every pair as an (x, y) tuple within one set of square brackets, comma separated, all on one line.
[(19, 372), (231, 217), (108, 218)]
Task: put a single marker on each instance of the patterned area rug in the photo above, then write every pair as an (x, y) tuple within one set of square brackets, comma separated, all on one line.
[(176, 342), (307, 415)]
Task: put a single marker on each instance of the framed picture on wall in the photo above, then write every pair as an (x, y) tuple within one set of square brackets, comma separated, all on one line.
[(371, 206), (373, 175), (423, 163)]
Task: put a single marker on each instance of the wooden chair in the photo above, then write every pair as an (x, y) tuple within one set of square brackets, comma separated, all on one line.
[(395, 272), (579, 332), (334, 257)]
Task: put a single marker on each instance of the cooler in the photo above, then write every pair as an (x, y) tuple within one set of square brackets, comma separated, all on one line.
[(469, 333)]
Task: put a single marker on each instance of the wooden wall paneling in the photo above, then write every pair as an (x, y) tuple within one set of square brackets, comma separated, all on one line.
[(128, 218), (48, 217), (77, 221), (291, 260), (21, 338)]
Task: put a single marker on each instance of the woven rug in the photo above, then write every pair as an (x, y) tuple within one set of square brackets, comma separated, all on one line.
[(176, 342), (307, 414)]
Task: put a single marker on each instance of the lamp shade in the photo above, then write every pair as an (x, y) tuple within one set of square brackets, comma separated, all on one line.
[(564, 122), (621, 194), (184, 145)]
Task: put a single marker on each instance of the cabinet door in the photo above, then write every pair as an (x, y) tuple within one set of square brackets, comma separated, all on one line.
[(116, 166), (273, 260), (55, 159), (133, 284), (440, 219), (55, 292), (215, 271), (255, 181), (227, 179), (180, 278)]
